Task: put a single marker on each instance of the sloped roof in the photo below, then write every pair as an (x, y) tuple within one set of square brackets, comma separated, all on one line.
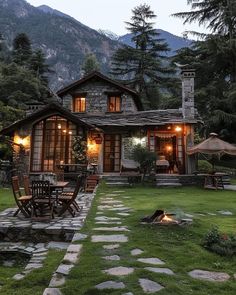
[(144, 118), (49, 110), (100, 76)]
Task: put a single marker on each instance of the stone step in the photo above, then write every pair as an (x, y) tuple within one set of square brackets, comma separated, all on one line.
[(167, 180), (170, 184), (117, 183)]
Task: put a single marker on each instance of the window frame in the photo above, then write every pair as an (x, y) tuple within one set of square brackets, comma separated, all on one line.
[(116, 96), (74, 104)]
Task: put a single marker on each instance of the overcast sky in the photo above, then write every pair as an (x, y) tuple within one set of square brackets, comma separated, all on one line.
[(111, 14)]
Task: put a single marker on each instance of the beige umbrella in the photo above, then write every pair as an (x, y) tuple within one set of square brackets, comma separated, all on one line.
[(213, 145)]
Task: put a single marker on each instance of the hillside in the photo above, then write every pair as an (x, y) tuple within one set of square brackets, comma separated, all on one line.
[(64, 40)]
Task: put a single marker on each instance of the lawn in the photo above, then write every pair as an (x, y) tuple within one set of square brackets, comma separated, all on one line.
[(6, 199), (179, 247)]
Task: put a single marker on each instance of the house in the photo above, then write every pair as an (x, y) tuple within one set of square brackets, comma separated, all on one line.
[(110, 118)]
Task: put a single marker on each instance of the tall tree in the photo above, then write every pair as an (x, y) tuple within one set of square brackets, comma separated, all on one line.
[(39, 67), (142, 66), (90, 64), (22, 51)]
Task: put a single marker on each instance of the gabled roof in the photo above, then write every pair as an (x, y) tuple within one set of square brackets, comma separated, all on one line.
[(49, 110), (100, 76)]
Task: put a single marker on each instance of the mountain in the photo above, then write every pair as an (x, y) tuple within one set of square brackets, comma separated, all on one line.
[(64, 40), (174, 42)]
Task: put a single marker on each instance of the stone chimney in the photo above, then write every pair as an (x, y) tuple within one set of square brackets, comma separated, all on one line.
[(188, 76)]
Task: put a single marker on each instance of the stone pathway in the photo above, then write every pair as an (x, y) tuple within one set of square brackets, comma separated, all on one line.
[(209, 275)]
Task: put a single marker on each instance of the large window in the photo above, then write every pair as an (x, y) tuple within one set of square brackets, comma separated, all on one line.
[(79, 104), (52, 141), (114, 104)]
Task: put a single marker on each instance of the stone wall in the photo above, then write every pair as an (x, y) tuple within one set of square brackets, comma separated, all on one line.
[(96, 93)]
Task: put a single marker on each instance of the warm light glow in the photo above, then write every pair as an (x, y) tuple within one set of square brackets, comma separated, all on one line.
[(25, 141), (59, 126), (178, 129), (70, 132), (169, 148), (166, 219), (64, 131), (169, 127), (92, 147)]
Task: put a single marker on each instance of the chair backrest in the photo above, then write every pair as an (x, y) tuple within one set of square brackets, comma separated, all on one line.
[(78, 186), (16, 187), (40, 189), (26, 183)]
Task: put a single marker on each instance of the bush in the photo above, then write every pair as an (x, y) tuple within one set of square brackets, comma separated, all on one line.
[(222, 244), (204, 166)]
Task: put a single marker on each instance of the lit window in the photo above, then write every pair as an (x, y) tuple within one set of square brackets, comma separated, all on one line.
[(114, 104), (79, 104)]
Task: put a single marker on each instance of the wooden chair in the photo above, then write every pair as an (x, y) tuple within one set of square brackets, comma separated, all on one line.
[(68, 199), (91, 182), (42, 201), (23, 202), (26, 184)]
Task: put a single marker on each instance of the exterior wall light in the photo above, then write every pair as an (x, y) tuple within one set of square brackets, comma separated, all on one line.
[(178, 129)]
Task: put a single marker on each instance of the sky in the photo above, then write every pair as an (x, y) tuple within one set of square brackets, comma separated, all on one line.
[(111, 14)]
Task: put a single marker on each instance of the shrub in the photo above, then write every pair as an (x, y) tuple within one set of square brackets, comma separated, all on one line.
[(222, 244), (204, 166)]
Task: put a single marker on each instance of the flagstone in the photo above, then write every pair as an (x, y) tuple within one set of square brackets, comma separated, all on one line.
[(110, 285), (109, 238), (119, 271), (209, 275), (136, 251), (111, 247), (149, 286), (57, 280), (112, 257), (108, 222), (64, 269), (52, 291), (116, 228), (225, 212), (155, 261), (160, 270), (105, 218), (57, 245), (79, 237), (123, 214)]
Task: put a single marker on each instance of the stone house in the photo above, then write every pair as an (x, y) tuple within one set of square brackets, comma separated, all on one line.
[(110, 118)]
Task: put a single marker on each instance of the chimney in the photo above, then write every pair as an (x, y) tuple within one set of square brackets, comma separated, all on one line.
[(188, 76)]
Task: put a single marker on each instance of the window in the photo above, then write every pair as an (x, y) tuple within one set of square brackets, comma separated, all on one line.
[(52, 144), (80, 104), (114, 104)]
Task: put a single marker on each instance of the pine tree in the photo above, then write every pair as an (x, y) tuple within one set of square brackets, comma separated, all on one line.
[(142, 66), (22, 51), (90, 64)]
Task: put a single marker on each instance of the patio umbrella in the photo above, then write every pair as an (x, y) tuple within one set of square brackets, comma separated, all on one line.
[(213, 145)]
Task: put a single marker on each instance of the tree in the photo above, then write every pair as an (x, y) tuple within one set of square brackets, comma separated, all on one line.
[(142, 66), (39, 67), (22, 51), (90, 64)]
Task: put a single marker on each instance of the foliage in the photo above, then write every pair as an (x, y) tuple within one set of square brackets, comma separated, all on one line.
[(144, 157), (22, 51), (79, 149), (142, 66), (214, 59), (90, 64), (204, 166), (219, 243)]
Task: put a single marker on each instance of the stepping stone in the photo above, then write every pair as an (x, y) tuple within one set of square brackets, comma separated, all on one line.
[(79, 237), (18, 277), (105, 218), (212, 214), (57, 245), (108, 222), (112, 257), (209, 275), (160, 270), (74, 248), (111, 202), (137, 251), (222, 212), (117, 228), (123, 214), (110, 285), (64, 269), (71, 258), (154, 261), (110, 238), (235, 276), (120, 209), (52, 291), (57, 280), (149, 286), (129, 293), (119, 271), (111, 247)]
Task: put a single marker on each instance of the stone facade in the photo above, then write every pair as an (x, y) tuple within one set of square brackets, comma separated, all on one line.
[(96, 94), (188, 76)]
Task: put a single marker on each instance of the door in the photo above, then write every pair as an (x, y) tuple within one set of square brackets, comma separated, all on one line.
[(112, 152)]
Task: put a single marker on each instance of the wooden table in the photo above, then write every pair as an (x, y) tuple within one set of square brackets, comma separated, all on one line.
[(214, 181)]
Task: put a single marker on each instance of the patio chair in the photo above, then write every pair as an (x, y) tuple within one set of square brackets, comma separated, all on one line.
[(23, 202), (91, 183), (42, 201), (68, 199), (26, 184)]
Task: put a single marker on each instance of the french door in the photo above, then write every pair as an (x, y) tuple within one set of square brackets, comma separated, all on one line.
[(112, 152)]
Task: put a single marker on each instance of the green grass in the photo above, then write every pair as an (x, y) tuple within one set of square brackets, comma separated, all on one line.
[(6, 198), (179, 247)]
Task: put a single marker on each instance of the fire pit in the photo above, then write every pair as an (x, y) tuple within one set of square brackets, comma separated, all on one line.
[(160, 217)]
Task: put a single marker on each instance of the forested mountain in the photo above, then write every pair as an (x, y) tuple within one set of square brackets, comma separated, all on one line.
[(64, 40)]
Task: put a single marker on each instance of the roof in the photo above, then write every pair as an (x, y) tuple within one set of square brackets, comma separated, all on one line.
[(144, 118), (100, 76), (49, 110)]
